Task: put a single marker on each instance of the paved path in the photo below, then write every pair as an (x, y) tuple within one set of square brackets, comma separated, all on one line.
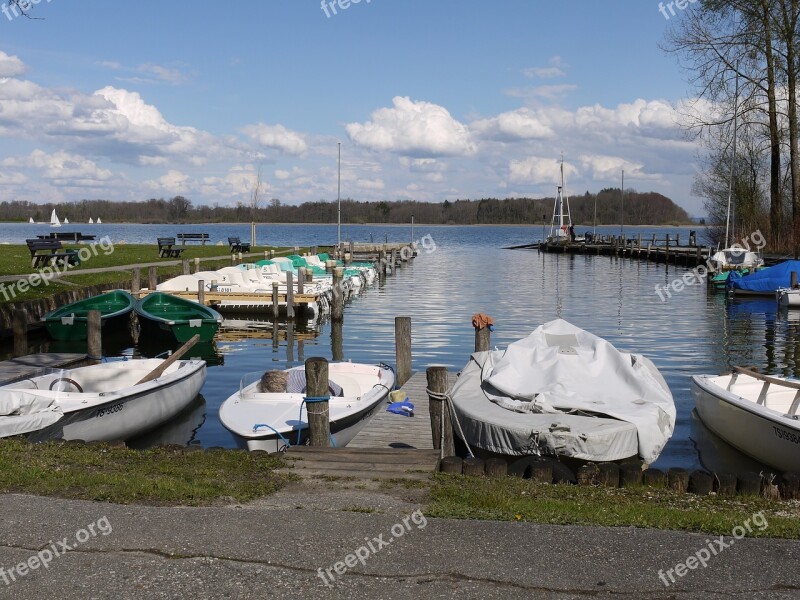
[(279, 546)]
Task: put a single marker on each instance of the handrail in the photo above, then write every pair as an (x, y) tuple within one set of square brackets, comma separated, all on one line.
[(782, 382)]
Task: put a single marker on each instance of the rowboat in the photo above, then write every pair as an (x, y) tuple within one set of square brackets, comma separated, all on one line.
[(272, 421), (564, 392), (754, 413), (104, 401), (177, 316), (788, 296), (70, 322)]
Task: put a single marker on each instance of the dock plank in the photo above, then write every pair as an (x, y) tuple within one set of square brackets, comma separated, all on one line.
[(362, 463), (23, 367)]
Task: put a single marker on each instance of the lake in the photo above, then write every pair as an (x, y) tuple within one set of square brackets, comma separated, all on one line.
[(692, 332)]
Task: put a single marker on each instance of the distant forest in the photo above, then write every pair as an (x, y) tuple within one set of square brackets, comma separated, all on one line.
[(648, 208)]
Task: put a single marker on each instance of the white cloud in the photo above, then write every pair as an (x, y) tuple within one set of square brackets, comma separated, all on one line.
[(62, 168), (173, 182), (370, 184), (414, 129), (277, 137), (535, 170), (608, 168), (519, 124), (554, 70), (10, 66)]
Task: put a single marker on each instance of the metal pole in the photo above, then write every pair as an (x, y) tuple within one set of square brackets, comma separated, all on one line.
[(339, 202), (622, 197), (412, 229)]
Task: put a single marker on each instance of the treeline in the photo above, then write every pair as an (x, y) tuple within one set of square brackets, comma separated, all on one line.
[(647, 208)]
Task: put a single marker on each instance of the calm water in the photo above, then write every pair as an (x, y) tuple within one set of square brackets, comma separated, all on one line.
[(693, 332)]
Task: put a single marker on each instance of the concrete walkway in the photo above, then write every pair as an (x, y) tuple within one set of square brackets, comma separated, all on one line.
[(278, 547)]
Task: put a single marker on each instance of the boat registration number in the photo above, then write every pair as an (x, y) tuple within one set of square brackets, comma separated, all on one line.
[(109, 410), (787, 435)]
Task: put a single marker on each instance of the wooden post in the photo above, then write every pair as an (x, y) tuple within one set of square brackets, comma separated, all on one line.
[(301, 279), (330, 265), (441, 426), (136, 281), (94, 337), (649, 247), (185, 266), (201, 292), (20, 332), (382, 263), (666, 256), (152, 278), (793, 279), (289, 295), (275, 307), (319, 428), (309, 275), (314, 250), (402, 343), (394, 259), (677, 240), (196, 264), (337, 347), (698, 259), (337, 302), (483, 339)]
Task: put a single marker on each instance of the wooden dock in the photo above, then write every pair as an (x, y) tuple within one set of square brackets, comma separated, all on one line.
[(24, 367), (389, 447)]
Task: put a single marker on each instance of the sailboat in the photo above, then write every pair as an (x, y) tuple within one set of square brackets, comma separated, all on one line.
[(91, 220), (31, 220), (98, 220), (54, 222), (561, 225), (66, 221)]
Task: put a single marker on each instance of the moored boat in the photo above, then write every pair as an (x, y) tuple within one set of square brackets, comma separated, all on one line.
[(788, 296), (274, 420), (564, 392), (107, 401), (70, 322), (755, 413), (177, 316), (765, 282)]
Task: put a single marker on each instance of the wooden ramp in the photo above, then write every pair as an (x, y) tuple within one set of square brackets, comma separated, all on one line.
[(23, 367), (388, 430), (361, 463)]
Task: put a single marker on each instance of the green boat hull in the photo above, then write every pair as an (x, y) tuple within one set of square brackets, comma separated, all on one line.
[(177, 317), (70, 322)]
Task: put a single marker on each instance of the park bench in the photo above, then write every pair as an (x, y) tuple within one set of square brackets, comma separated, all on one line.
[(44, 252), (68, 236), (237, 245), (166, 248), (193, 237)]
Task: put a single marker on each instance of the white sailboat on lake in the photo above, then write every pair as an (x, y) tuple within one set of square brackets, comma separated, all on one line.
[(91, 221), (54, 222)]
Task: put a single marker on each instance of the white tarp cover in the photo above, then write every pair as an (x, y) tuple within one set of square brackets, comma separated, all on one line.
[(559, 369), (23, 412)]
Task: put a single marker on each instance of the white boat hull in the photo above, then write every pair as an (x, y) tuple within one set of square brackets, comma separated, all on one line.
[(788, 297), (105, 411), (757, 431)]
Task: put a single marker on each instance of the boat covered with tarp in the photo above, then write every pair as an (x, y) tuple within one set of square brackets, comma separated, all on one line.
[(563, 391), (765, 282)]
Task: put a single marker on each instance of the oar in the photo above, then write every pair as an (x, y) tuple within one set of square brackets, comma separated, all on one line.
[(156, 373)]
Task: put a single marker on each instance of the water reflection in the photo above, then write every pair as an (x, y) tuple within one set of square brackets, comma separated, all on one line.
[(181, 430)]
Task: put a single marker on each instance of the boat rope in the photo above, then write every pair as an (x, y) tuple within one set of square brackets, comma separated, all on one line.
[(278, 433), (451, 407), (387, 366), (311, 400)]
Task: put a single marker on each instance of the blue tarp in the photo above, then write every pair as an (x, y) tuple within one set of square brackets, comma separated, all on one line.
[(765, 281)]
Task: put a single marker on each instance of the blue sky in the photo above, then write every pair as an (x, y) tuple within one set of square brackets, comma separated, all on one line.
[(431, 100)]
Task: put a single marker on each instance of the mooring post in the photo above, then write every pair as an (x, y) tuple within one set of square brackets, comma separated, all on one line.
[(185, 266), (152, 278), (319, 428), (330, 265), (337, 302), (337, 345), (301, 279), (666, 257), (136, 282), (196, 264), (201, 292), (289, 295), (394, 260), (402, 343), (793, 279), (20, 332), (382, 263), (309, 275), (441, 424), (94, 337), (483, 339), (275, 307)]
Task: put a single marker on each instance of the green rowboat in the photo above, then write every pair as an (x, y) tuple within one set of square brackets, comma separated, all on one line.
[(180, 317), (70, 322)]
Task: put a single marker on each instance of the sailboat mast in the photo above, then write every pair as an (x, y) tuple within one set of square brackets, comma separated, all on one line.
[(733, 157), (561, 198)]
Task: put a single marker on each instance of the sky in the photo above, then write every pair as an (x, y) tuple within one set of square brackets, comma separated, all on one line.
[(430, 100)]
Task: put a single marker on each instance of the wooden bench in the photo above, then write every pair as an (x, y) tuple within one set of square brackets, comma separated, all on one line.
[(67, 236), (237, 245), (193, 237), (166, 248), (45, 252)]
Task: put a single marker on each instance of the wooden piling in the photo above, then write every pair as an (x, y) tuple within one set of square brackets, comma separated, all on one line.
[(152, 278), (441, 425), (94, 337), (678, 480), (748, 484), (201, 292), (402, 344), (337, 302), (394, 260), (588, 474), (725, 484), (654, 478), (474, 467), (451, 464), (319, 427), (20, 332), (541, 472), (609, 475), (185, 266), (275, 305), (666, 255), (700, 483), (483, 339), (630, 474), (496, 467), (197, 264), (382, 263), (136, 281), (301, 280), (792, 279), (289, 296)]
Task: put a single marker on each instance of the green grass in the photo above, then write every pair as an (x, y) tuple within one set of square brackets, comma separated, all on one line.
[(115, 474), (515, 499)]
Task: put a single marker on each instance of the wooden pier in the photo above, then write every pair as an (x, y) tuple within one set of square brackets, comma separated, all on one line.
[(31, 365), (389, 447)]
